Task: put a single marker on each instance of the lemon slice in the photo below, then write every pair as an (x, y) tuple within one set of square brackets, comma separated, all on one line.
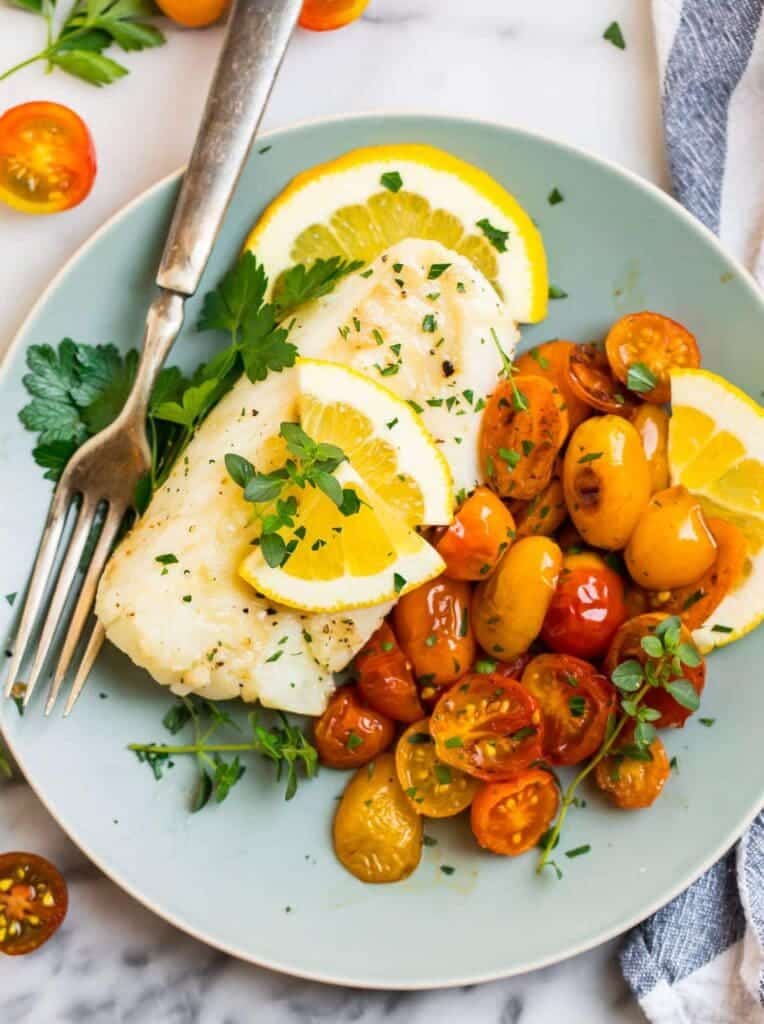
[(716, 450), (368, 199)]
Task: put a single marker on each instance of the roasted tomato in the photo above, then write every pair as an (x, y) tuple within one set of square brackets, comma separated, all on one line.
[(543, 515), (522, 431), (47, 159), (592, 380), (652, 424), (633, 778), (627, 644), (513, 668), (671, 545), (194, 13), (586, 608), (551, 361), (606, 480), (651, 342), (349, 733), (385, 678), (435, 789), (510, 817), (377, 832), (324, 15), (487, 726), (575, 702), (482, 531), (697, 602), (433, 627), (33, 902)]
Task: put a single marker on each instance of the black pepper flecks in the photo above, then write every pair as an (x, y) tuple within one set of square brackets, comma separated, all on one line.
[(448, 368)]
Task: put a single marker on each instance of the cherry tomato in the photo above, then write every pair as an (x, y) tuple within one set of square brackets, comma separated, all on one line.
[(551, 361), (543, 515), (433, 627), (671, 544), (522, 431), (592, 380), (510, 817), (633, 779), (194, 13), (323, 15), (512, 668), (651, 422), (627, 644), (385, 678), (575, 702), (349, 734), (482, 531), (487, 726), (47, 159), (587, 607), (33, 902), (655, 342), (435, 789), (377, 833)]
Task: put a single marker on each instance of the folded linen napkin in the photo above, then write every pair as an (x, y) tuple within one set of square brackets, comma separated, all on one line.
[(700, 960)]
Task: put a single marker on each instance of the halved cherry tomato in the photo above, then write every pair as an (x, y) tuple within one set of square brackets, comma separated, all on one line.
[(479, 535), (522, 431), (587, 607), (631, 778), (323, 15), (510, 817), (487, 726), (592, 380), (386, 679), (433, 627), (551, 361), (33, 902), (47, 159), (697, 602), (575, 702), (349, 734), (627, 644), (657, 343), (435, 789), (543, 515)]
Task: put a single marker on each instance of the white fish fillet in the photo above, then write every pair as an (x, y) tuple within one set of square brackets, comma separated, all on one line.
[(197, 627)]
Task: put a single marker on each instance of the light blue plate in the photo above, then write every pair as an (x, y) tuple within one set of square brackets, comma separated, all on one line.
[(228, 874)]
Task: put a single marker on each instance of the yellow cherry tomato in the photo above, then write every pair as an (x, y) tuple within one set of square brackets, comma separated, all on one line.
[(542, 515), (435, 789), (606, 480), (671, 545), (194, 13), (509, 608), (377, 832), (651, 422)]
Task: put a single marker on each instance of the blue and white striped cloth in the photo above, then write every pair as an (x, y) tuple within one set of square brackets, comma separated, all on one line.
[(700, 960)]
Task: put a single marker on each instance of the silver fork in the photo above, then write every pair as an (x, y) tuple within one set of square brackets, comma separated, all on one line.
[(100, 480)]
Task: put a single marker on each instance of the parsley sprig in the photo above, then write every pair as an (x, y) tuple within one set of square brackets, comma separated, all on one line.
[(219, 764), (666, 656), (519, 401)]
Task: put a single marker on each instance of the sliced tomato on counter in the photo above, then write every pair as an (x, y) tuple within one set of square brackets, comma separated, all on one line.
[(592, 380), (586, 609), (436, 789), (349, 733), (633, 778), (47, 158), (654, 343), (386, 677), (33, 902), (510, 817)]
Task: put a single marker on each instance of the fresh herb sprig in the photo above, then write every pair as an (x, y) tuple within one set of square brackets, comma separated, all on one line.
[(666, 656), (519, 401), (219, 764)]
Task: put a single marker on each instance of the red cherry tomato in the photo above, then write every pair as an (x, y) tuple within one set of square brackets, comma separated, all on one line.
[(33, 902), (349, 734), (47, 159), (510, 817), (587, 608), (386, 678)]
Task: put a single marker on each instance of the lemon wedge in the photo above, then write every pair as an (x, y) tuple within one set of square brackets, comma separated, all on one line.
[(716, 450), (368, 199)]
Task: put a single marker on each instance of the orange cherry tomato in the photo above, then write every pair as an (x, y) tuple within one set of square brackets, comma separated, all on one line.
[(543, 515), (575, 702), (385, 678), (633, 779), (592, 380), (349, 734), (194, 13), (434, 629), (323, 15), (33, 902), (655, 342), (487, 726), (47, 159), (587, 607), (482, 531), (522, 431), (510, 817), (435, 789), (627, 644), (551, 361)]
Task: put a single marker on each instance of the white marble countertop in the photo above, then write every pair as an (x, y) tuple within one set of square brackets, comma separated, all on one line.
[(540, 64)]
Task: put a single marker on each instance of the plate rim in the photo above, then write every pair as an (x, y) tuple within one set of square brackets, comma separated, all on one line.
[(427, 983)]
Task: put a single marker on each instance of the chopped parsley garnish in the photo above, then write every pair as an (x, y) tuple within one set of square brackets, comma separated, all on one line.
[(454, 741), (10, 598), (577, 706), (495, 236), (442, 773), (555, 292), (429, 324), (640, 378), (510, 456), (578, 851), (591, 457), (392, 181), (399, 582), (436, 270), (708, 722), (555, 197), (420, 737), (722, 629), (614, 35), (353, 741), (166, 559), (447, 869), (485, 667)]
